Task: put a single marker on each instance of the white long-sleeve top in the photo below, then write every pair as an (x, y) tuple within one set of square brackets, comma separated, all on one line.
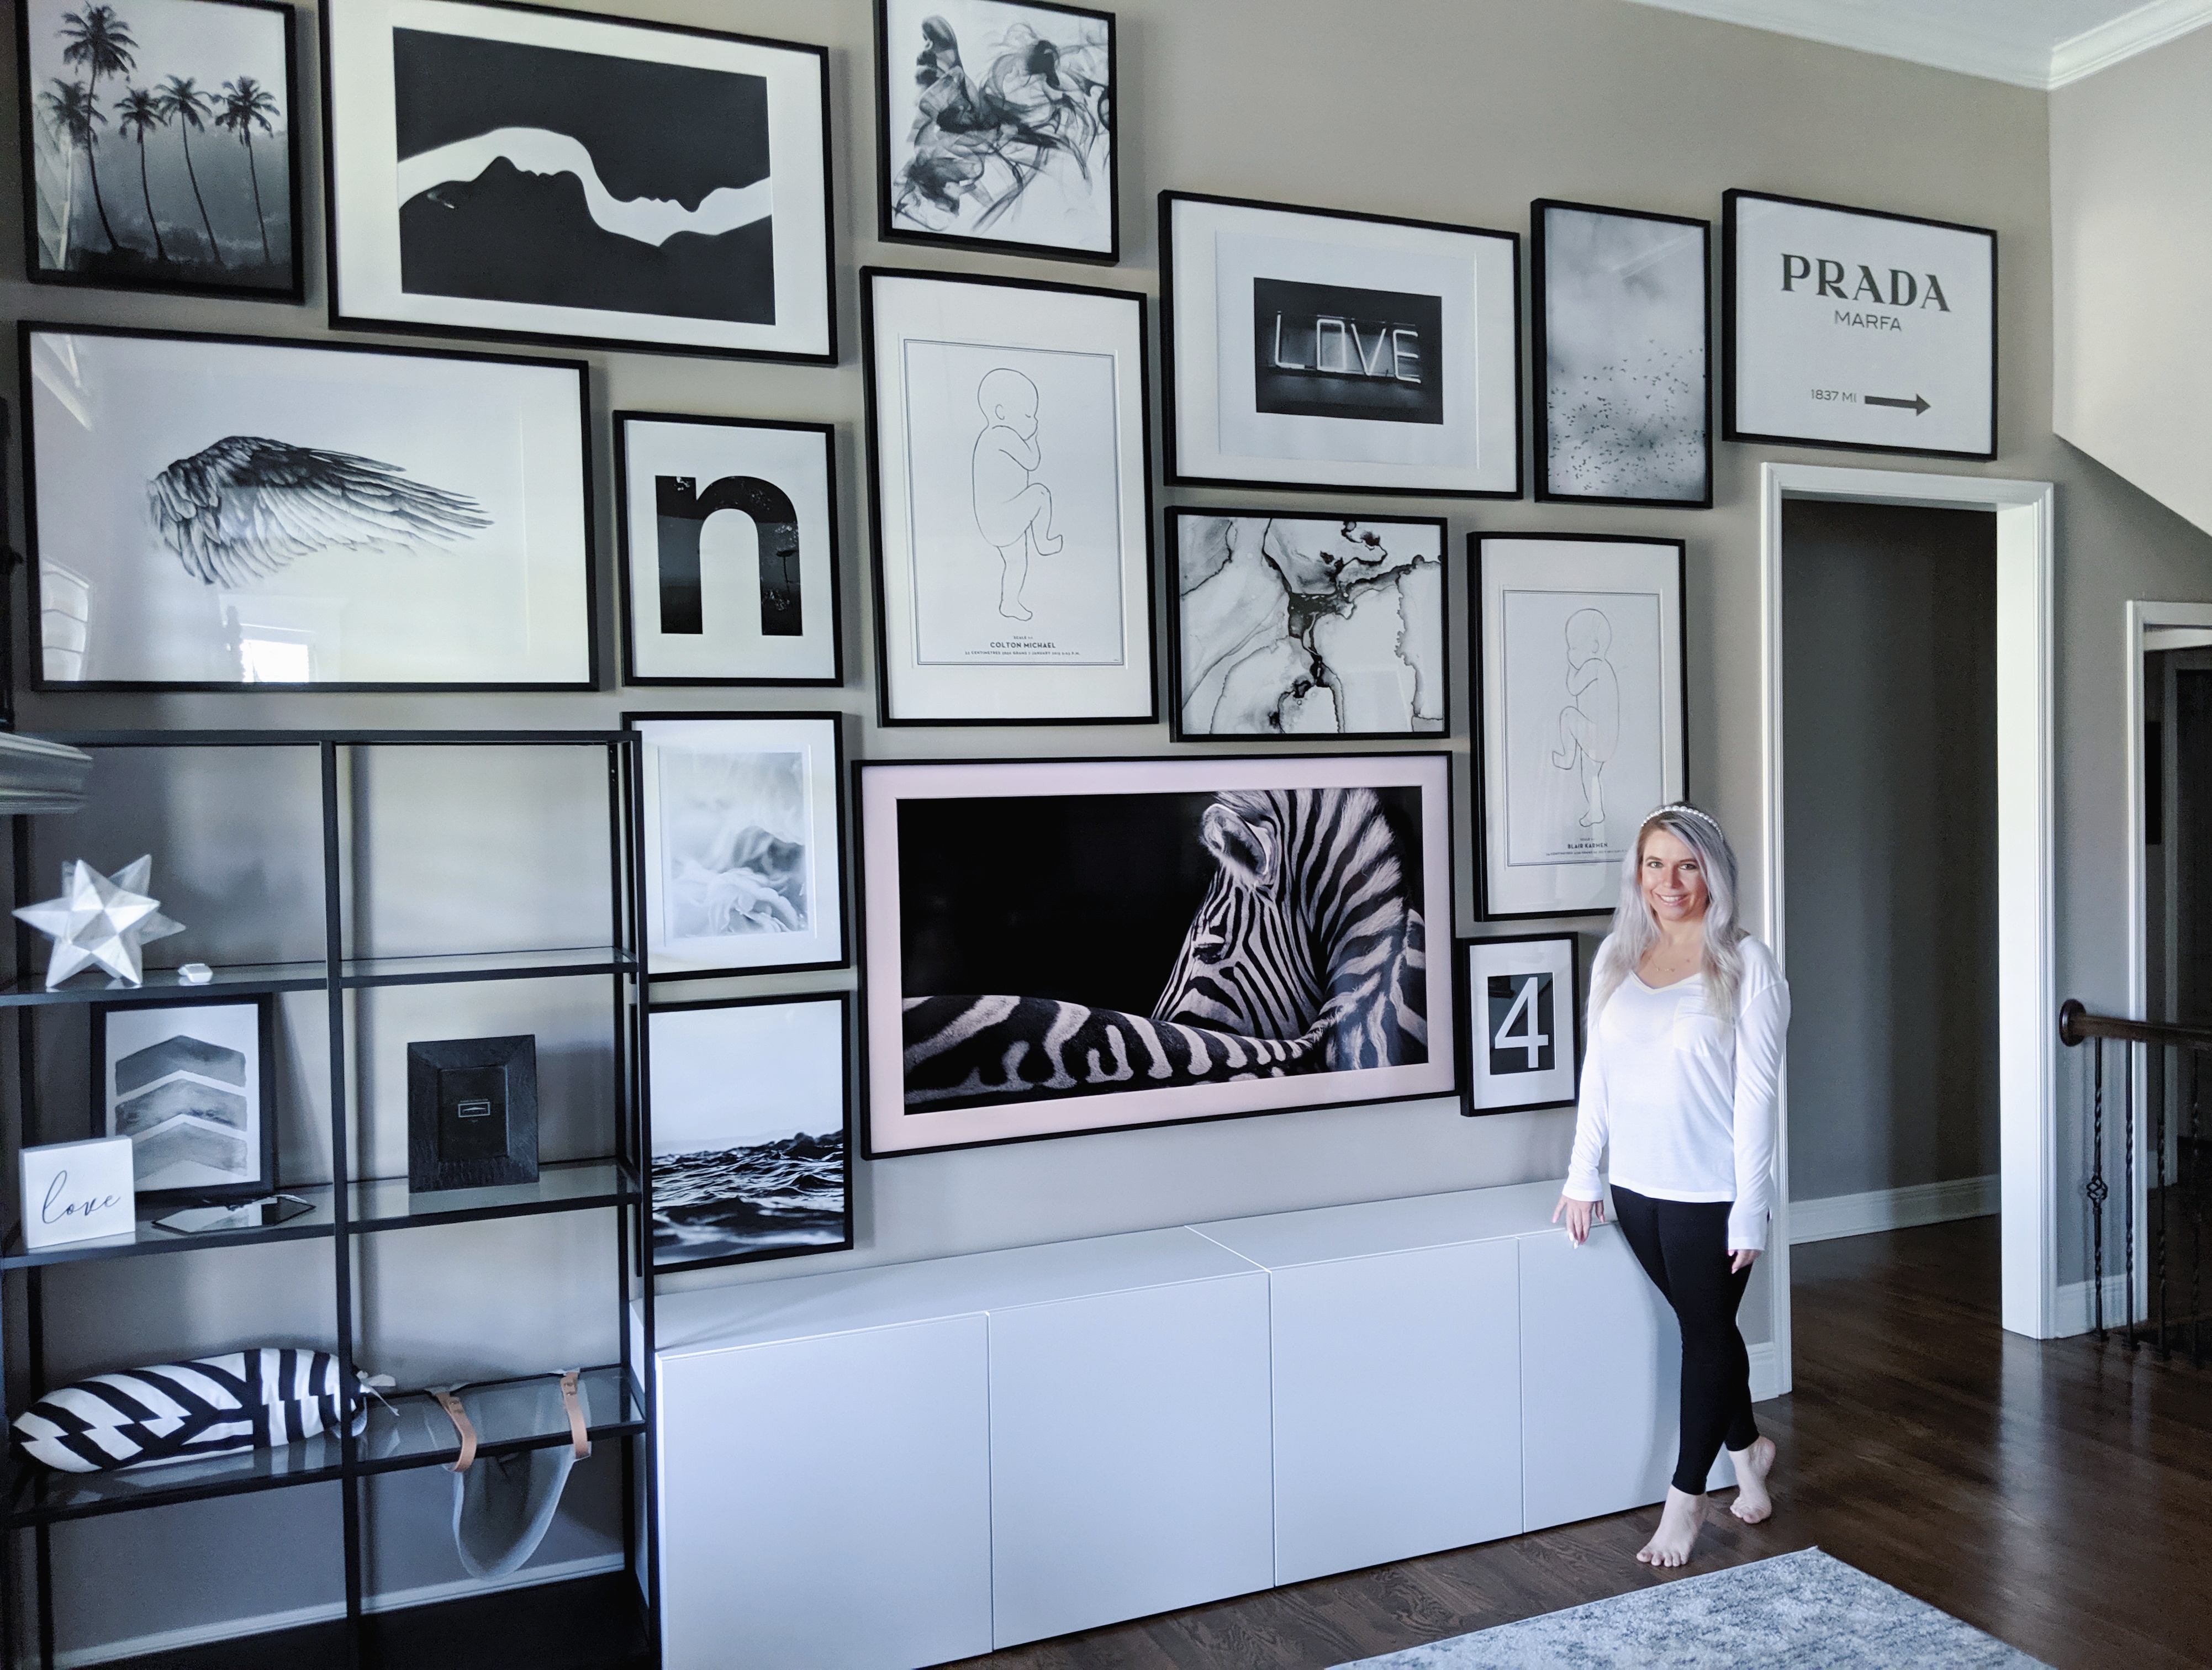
[(1686, 1104)]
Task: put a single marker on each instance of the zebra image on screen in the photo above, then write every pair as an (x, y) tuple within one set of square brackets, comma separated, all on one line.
[(1307, 955)]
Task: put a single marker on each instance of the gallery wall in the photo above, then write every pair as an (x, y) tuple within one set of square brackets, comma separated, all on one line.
[(1459, 111)]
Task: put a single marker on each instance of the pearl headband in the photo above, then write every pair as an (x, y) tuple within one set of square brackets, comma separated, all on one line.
[(1680, 809)]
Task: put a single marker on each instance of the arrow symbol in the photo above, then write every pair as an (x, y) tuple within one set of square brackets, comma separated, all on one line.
[(1915, 406)]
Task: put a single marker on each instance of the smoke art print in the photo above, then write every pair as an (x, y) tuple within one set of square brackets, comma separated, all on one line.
[(729, 551), (751, 1102), (219, 512), (1623, 311), (1309, 626), (995, 125), (1011, 501), (1579, 644), (1312, 349), (1084, 945), (742, 816), (188, 1083), (502, 170), (159, 146)]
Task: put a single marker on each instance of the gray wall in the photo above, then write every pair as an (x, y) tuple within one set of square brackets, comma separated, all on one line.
[(1451, 110), (1889, 704)]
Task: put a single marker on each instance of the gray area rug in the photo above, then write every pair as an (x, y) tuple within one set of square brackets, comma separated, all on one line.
[(1804, 1610)]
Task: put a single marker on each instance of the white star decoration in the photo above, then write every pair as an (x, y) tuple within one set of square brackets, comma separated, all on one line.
[(103, 919)]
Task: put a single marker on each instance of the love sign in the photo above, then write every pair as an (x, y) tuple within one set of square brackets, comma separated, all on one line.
[(77, 1191)]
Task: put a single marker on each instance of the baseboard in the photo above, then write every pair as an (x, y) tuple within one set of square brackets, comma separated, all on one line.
[(170, 1641), (1839, 1215), (2073, 1312), (1766, 1371)]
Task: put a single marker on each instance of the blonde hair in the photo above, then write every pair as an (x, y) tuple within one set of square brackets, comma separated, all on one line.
[(1635, 930)]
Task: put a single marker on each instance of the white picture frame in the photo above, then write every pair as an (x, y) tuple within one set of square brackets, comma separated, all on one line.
[(729, 551), (77, 1191), (1063, 941), (1310, 348), (1010, 500), (698, 159), (741, 839), (1579, 699), (432, 531), (1519, 1022), (1858, 329)]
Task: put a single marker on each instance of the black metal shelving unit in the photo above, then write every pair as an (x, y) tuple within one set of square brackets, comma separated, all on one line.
[(603, 1622)]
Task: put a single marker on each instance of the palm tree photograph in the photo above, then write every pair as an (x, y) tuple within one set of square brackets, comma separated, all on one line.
[(158, 147)]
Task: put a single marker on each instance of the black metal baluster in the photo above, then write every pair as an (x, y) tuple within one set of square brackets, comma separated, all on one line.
[(2096, 1190), (2158, 1230)]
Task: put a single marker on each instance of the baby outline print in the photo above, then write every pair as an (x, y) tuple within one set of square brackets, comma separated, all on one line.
[(1013, 510), (1590, 724)]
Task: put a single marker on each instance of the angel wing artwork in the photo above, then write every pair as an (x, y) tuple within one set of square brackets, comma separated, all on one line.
[(247, 507)]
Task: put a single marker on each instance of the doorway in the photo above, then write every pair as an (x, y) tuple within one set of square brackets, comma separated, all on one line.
[(2027, 993), (1889, 703)]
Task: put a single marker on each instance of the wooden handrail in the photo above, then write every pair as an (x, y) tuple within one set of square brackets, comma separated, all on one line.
[(2077, 1025)]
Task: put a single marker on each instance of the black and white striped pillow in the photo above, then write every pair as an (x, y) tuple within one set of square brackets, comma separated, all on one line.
[(181, 1411)]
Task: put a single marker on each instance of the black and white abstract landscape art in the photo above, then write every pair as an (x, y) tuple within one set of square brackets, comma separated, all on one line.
[(1623, 328), (1063, 946), (159, 150), (752, 1107), (996, 126), (1309, 626), (744, 817), (511, 171), (221, 511)]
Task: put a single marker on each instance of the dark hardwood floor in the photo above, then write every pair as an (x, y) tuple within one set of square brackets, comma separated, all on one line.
[(2058, 1496)]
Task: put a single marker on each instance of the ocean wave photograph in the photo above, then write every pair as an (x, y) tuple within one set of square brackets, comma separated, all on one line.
[(751, 1199)]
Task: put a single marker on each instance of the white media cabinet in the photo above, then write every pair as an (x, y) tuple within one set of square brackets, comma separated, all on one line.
[(886, 1468)]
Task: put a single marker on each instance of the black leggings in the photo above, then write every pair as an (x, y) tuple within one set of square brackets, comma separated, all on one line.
[(1683, 1247)]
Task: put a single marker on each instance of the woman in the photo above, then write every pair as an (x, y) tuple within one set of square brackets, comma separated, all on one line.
[(1688, 1014)]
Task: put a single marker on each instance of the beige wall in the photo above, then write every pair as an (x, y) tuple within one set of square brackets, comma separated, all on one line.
[(2132, 240), (1452, 110)]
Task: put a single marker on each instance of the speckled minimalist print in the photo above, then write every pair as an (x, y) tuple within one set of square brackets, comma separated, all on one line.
[(1804, 1610)]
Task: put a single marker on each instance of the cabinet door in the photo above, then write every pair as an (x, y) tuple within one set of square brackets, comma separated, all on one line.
[(826, 1502), (1601, 1380), (1129, 1464), (1397, 1401)]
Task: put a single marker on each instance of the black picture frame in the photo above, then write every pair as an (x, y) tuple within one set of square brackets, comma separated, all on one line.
[(881, 997), (1463, 1000), (585, 532), (1732, 370), (1489, 907), (1307, 476), (1541, 323), (889, 62), (1178, 515), (501, 1086), (262, 1141), (841, 1001), (888, 715), (624, 543), (295, 291), (649, 843), (347, 316)]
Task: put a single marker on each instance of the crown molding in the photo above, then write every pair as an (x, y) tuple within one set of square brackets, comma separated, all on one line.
[(1919, 38), (2146, 26)]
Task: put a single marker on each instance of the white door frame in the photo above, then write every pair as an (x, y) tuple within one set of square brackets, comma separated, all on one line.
[(2027, 1001)]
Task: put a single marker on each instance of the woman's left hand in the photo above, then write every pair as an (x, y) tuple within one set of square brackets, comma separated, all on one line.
[(1744, 1255)]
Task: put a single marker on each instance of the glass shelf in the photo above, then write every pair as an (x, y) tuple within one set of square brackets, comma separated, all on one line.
[(377, 1204), (354, 973), (410, 1431)]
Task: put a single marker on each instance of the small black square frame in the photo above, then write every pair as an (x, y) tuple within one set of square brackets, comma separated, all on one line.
[(471, 1113)]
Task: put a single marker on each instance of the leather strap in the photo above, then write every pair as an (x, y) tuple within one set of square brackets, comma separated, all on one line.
[(459, 1417), (575, 1405)]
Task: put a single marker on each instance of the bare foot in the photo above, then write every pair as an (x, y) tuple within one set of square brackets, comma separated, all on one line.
[(1752, 1502), (1679, 1525)]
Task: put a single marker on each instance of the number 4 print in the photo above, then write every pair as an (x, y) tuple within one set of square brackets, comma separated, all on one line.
[(1521, 1002)]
